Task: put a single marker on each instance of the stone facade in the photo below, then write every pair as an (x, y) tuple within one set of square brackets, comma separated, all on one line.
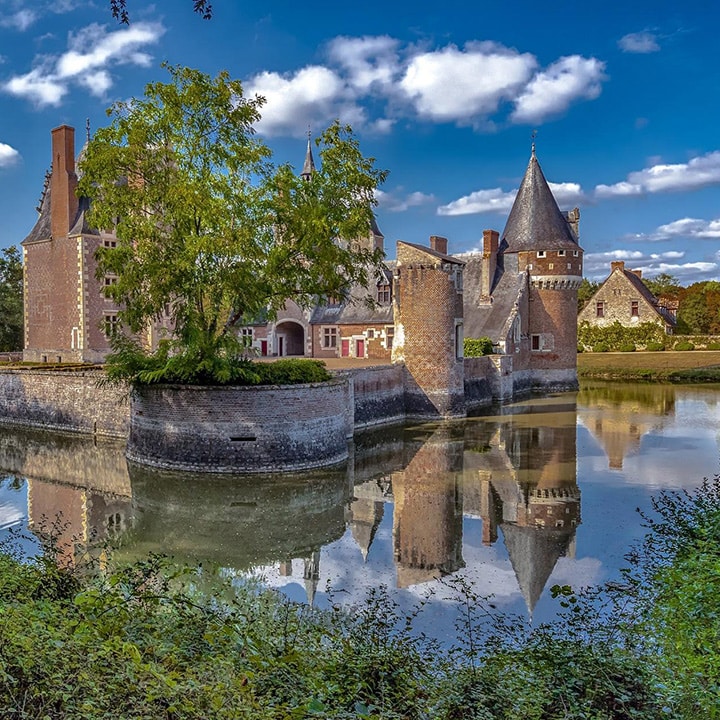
[(624, 298)]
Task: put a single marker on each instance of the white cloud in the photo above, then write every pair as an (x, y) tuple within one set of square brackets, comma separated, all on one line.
[(552, 91), (8, 155), (312, 96), (640, 42), (684, 228), (465, 85), (698, 172), (49, 81), (369, 61), (496, 200), (397, 201), (20, 20), (597, 265), (481, 201)]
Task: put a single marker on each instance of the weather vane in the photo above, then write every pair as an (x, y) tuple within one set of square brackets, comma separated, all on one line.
[(533, 136), (87, 128), (309, 133)]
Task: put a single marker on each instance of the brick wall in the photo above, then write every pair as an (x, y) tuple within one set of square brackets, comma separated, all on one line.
[(63, 401), (255, 429), (378, 395)]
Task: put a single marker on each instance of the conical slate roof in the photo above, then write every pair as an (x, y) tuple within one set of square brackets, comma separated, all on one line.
[(309, 164), (535, 221)]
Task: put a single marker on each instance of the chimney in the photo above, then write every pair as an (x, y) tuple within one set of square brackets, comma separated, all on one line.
[(637, 273), (617, 265), (573, 220), (438, 244), (489, 262), (63, 202)]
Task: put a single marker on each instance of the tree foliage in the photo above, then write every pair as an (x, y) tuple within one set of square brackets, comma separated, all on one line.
[(476, 347), (11, 299), (209, 228), (663, 285), (699, 311), (587, 289), (119, 10)]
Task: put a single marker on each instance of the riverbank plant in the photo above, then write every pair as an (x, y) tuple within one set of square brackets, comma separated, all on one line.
[(151, 640)]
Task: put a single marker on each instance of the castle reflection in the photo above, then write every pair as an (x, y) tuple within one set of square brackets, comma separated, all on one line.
[(516, 472)]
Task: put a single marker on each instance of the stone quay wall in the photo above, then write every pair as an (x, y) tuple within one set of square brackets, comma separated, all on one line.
[(378, 396), (67, 400), (241, 429)]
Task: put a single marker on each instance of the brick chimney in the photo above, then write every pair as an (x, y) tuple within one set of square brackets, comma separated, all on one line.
[(637, 273), (439, 244), (63, 202), (617, 265), (489, 262)]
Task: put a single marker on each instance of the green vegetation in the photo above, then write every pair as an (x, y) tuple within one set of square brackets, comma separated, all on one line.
[(585, 292), (151, 641), (477, 347), (210, 231), (616, 336), (683, 346), (11, 300)]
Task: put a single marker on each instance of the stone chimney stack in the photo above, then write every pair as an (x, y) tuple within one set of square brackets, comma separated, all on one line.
[(63, 201), (637, 273), (489, 263), (439, 244), (617, 265)]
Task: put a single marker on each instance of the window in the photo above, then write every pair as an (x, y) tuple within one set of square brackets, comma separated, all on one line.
[(333, 300), (389, 336), (383, 293), (575, 253), (110, 243), (534, 342), (551, 266), (600, 309), (110, 325), (459, 344), (541, 253), (634, 308), (110, 280), (329, 339), (569, 266), (561, 253), (246, 335), (370, 333)]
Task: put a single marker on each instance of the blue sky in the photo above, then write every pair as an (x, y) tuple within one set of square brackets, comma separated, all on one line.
[(625, 99)]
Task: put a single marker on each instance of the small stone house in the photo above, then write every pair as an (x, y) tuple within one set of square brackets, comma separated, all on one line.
[(623, 297)]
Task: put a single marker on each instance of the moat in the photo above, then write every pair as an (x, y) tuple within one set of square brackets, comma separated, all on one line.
[(527, 495)]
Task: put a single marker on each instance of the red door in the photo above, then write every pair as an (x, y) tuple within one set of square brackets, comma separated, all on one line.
[(263, 347), (360, 348), (345, 348)]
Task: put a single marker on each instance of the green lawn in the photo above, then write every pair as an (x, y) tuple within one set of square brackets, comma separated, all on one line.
[(692, 366)]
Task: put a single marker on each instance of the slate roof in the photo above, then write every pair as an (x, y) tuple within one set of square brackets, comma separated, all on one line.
[(309, 164), (535, 221), (41, 229), (489, 320)]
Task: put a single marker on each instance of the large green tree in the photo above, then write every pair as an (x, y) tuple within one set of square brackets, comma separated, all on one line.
[(208, 226), (11, 300)]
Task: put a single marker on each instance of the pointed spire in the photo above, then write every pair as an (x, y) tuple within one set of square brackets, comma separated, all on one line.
[(535, 221), (309, 164)]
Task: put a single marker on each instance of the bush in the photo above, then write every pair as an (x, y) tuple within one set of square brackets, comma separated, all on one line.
[(477, 347), (601, 347), (292, 371), (683, 345), (713, 346), (615, 334), (655, 346), (627, 347)]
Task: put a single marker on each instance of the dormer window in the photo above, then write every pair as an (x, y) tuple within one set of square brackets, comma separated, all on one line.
[(561, 253), (383, 293), (541, 254)]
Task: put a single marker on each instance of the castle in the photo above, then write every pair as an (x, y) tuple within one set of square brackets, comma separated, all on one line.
[(520, 291)]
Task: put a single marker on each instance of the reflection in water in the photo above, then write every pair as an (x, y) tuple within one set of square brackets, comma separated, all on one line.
[(496, 495), (620, 415)]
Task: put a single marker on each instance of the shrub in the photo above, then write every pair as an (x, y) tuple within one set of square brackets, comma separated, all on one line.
[(292, 371), (477, 347), (581, 349), (684, 345), (713, 346), (601, 347), (655, 346), (627, 347)]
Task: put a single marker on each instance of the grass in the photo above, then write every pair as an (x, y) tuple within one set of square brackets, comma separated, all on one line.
[(667, 366)]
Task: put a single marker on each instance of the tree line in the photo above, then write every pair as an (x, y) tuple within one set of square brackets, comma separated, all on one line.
[(699, 303)]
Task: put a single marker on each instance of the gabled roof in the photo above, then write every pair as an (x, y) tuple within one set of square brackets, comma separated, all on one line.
[(434, 253), (535, 221)]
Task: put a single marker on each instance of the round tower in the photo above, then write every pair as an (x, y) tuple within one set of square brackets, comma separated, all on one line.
[(543, 243)]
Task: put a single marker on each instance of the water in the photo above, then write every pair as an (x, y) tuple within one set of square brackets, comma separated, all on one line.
[(525, 496)]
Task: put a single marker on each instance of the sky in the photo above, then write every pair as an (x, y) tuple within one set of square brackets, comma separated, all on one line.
[(623, 97)]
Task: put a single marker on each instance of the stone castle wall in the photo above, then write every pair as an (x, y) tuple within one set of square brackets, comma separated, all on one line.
[(68, 400), (378, 395)]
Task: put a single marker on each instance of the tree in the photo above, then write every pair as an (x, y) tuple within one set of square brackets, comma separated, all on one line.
[(208, 226), (587, 289), (11, 300), (699, 310), (119, 10), (663, 285)]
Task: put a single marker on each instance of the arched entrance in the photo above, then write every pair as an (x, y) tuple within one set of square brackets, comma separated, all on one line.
[(289, 338)]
